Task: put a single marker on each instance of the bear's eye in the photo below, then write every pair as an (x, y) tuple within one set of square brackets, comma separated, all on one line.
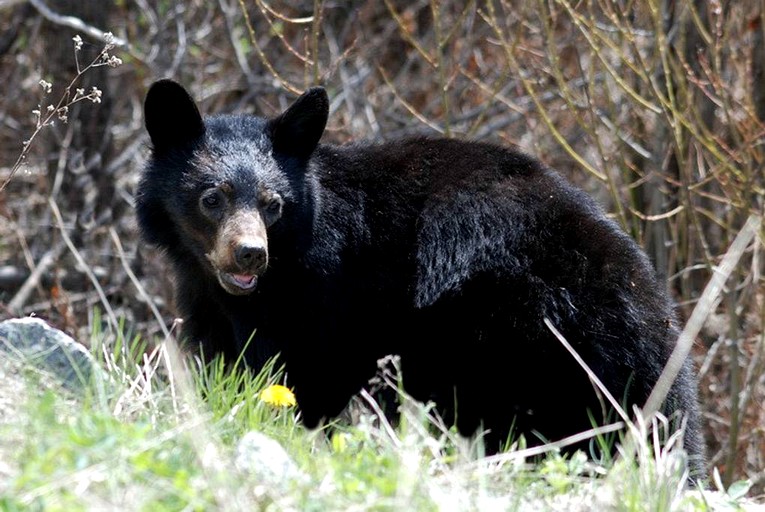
[(274, 206), (212, 199)]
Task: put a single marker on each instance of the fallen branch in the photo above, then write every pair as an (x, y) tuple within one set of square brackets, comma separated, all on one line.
[(76, 24)]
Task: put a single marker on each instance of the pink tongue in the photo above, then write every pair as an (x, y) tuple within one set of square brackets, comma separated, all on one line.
[(243, 279)]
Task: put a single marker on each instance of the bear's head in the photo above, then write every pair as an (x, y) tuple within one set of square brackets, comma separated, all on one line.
[(215, 188)]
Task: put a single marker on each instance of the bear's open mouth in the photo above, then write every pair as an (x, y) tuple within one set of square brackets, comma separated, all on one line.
[(243, 282)]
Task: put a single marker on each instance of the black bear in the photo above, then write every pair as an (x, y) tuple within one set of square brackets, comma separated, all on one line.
[(447, 253)]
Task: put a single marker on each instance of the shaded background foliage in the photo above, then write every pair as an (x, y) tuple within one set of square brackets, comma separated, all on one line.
[(655, 107)]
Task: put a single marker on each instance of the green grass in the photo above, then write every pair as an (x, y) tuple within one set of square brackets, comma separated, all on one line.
[(155, 435)]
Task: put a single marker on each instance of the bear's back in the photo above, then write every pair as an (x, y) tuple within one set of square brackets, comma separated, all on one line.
[(431, 167), (469, 207)]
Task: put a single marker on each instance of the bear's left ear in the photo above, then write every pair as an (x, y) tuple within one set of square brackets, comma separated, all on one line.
[(172, 116), (297, 130)]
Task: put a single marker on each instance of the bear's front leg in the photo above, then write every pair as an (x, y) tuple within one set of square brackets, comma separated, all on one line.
[(325, 383)]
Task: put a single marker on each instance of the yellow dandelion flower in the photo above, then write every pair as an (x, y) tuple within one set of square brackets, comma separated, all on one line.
[(278, 395), (340, 441)]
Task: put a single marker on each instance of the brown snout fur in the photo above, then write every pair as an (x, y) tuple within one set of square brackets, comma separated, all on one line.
[(241, 228)]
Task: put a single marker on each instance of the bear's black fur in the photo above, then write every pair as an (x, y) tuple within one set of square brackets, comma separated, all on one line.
[(448, 253)]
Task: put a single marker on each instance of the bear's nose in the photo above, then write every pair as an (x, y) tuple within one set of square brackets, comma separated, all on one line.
[(250, 256)]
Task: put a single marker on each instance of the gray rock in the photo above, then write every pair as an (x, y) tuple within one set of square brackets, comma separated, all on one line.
[(34, 342), (264, 457)]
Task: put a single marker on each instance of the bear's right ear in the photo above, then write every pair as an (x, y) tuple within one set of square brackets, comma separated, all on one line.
[(172, 117), (297, 130)]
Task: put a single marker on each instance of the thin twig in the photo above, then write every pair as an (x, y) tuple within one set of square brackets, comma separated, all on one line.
[(318, 6), (48, 259), (261, 54), (491, 19), (440, 67), (141, 290), (407, 105), (84, 265), (241, 58), (279, 32), (553, 446), (386, 426), (277, 14), (591, 374), (46, 116), (705, 305), (407, 36)]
